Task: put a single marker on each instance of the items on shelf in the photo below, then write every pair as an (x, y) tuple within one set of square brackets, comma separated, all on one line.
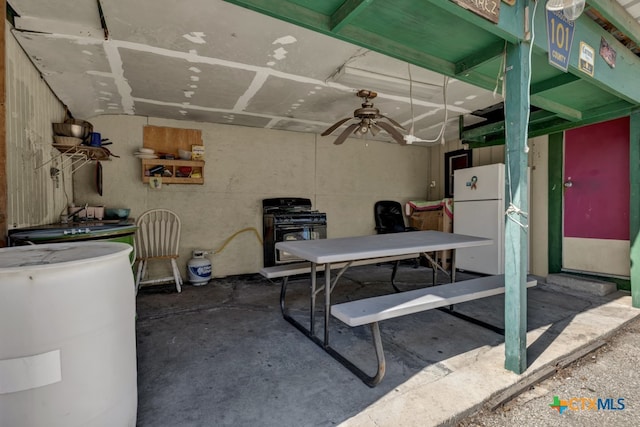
[(197, 152), (168, 153), (173, 171)]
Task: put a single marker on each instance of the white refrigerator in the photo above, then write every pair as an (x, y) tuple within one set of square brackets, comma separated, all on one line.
[(478, 210)]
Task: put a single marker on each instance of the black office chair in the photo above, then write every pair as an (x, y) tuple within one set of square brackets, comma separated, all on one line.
[(389, 219)]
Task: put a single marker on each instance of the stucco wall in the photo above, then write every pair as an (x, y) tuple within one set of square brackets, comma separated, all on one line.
[(245, 165)]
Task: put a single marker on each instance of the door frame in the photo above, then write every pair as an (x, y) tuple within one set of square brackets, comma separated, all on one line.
[(555, 203), (448, 165)]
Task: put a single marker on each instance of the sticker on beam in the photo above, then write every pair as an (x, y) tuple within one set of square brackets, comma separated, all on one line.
[(608, 53), (587, 58), (488, 9)]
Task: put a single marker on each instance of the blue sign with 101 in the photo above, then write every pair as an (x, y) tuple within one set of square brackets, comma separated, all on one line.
[(559, 38)]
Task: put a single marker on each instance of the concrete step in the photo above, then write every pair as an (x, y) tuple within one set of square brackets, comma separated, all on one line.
[(581, 284)]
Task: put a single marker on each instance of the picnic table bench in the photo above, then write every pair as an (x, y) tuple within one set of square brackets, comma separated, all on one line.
[(375, 309), (285, 271)]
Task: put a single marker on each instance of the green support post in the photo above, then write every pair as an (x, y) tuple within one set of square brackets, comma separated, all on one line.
[(634, 206), (516, 240)]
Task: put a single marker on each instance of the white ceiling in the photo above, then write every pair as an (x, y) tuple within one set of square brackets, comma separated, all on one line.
[(211, 61)]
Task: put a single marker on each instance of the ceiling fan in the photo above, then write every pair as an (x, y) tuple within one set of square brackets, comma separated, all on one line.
[(368, 117), (572, 9)]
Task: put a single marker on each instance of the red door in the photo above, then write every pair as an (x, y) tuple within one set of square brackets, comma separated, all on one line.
[(596, 198)]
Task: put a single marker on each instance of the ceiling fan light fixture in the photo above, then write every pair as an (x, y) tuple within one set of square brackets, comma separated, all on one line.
[(574, 9), (556, 4), (362, 130), (368, 116)]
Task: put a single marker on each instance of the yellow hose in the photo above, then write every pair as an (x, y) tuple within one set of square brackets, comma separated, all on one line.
[(235, 234)]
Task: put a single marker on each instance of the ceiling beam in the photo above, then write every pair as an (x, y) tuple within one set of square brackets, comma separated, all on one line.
[(298, 15), (53, 26), (561, 110), (488, 54), (618, 17), (290, 12), (346, 13), (510, 26), (553, 83), (609, 112), (621, 81), (544, 123), (480, 132), (375, 42)]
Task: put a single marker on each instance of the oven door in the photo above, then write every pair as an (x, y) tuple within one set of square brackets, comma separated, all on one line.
[(288, 233)]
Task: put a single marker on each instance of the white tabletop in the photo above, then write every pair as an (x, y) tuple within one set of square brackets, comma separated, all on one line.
[(322, 251)]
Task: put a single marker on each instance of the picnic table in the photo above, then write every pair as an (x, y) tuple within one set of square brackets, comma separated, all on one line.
[(324, 254)]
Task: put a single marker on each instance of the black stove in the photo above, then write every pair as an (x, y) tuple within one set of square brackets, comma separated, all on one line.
[(289, 218)]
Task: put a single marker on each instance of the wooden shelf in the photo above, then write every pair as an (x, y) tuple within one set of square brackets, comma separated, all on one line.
[(90, 153), (165, 140), (76, 156), (197, 167), (170, 140)]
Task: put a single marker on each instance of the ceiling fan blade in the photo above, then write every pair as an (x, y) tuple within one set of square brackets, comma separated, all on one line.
[(393, 132), (349, 130), (392, 121), (335, 126)]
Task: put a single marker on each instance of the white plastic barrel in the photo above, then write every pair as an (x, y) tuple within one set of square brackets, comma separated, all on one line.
[(67, 335)]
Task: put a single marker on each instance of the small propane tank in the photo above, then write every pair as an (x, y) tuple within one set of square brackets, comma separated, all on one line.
[(199, 268)]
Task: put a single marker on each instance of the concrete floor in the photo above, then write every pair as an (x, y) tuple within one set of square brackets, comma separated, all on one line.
[(222, 355)]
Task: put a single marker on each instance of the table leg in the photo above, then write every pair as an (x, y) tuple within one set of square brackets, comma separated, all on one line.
[(435, 268), (453, 266), (327, 301), (312, 301), (371, 381)]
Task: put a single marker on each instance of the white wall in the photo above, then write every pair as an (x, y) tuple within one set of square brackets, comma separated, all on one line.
[(245, 165), (539, 205), (352, 177), (34, 197), (538, 187)]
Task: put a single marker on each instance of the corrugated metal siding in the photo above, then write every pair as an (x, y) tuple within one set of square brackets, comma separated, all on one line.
[(34, 197)]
